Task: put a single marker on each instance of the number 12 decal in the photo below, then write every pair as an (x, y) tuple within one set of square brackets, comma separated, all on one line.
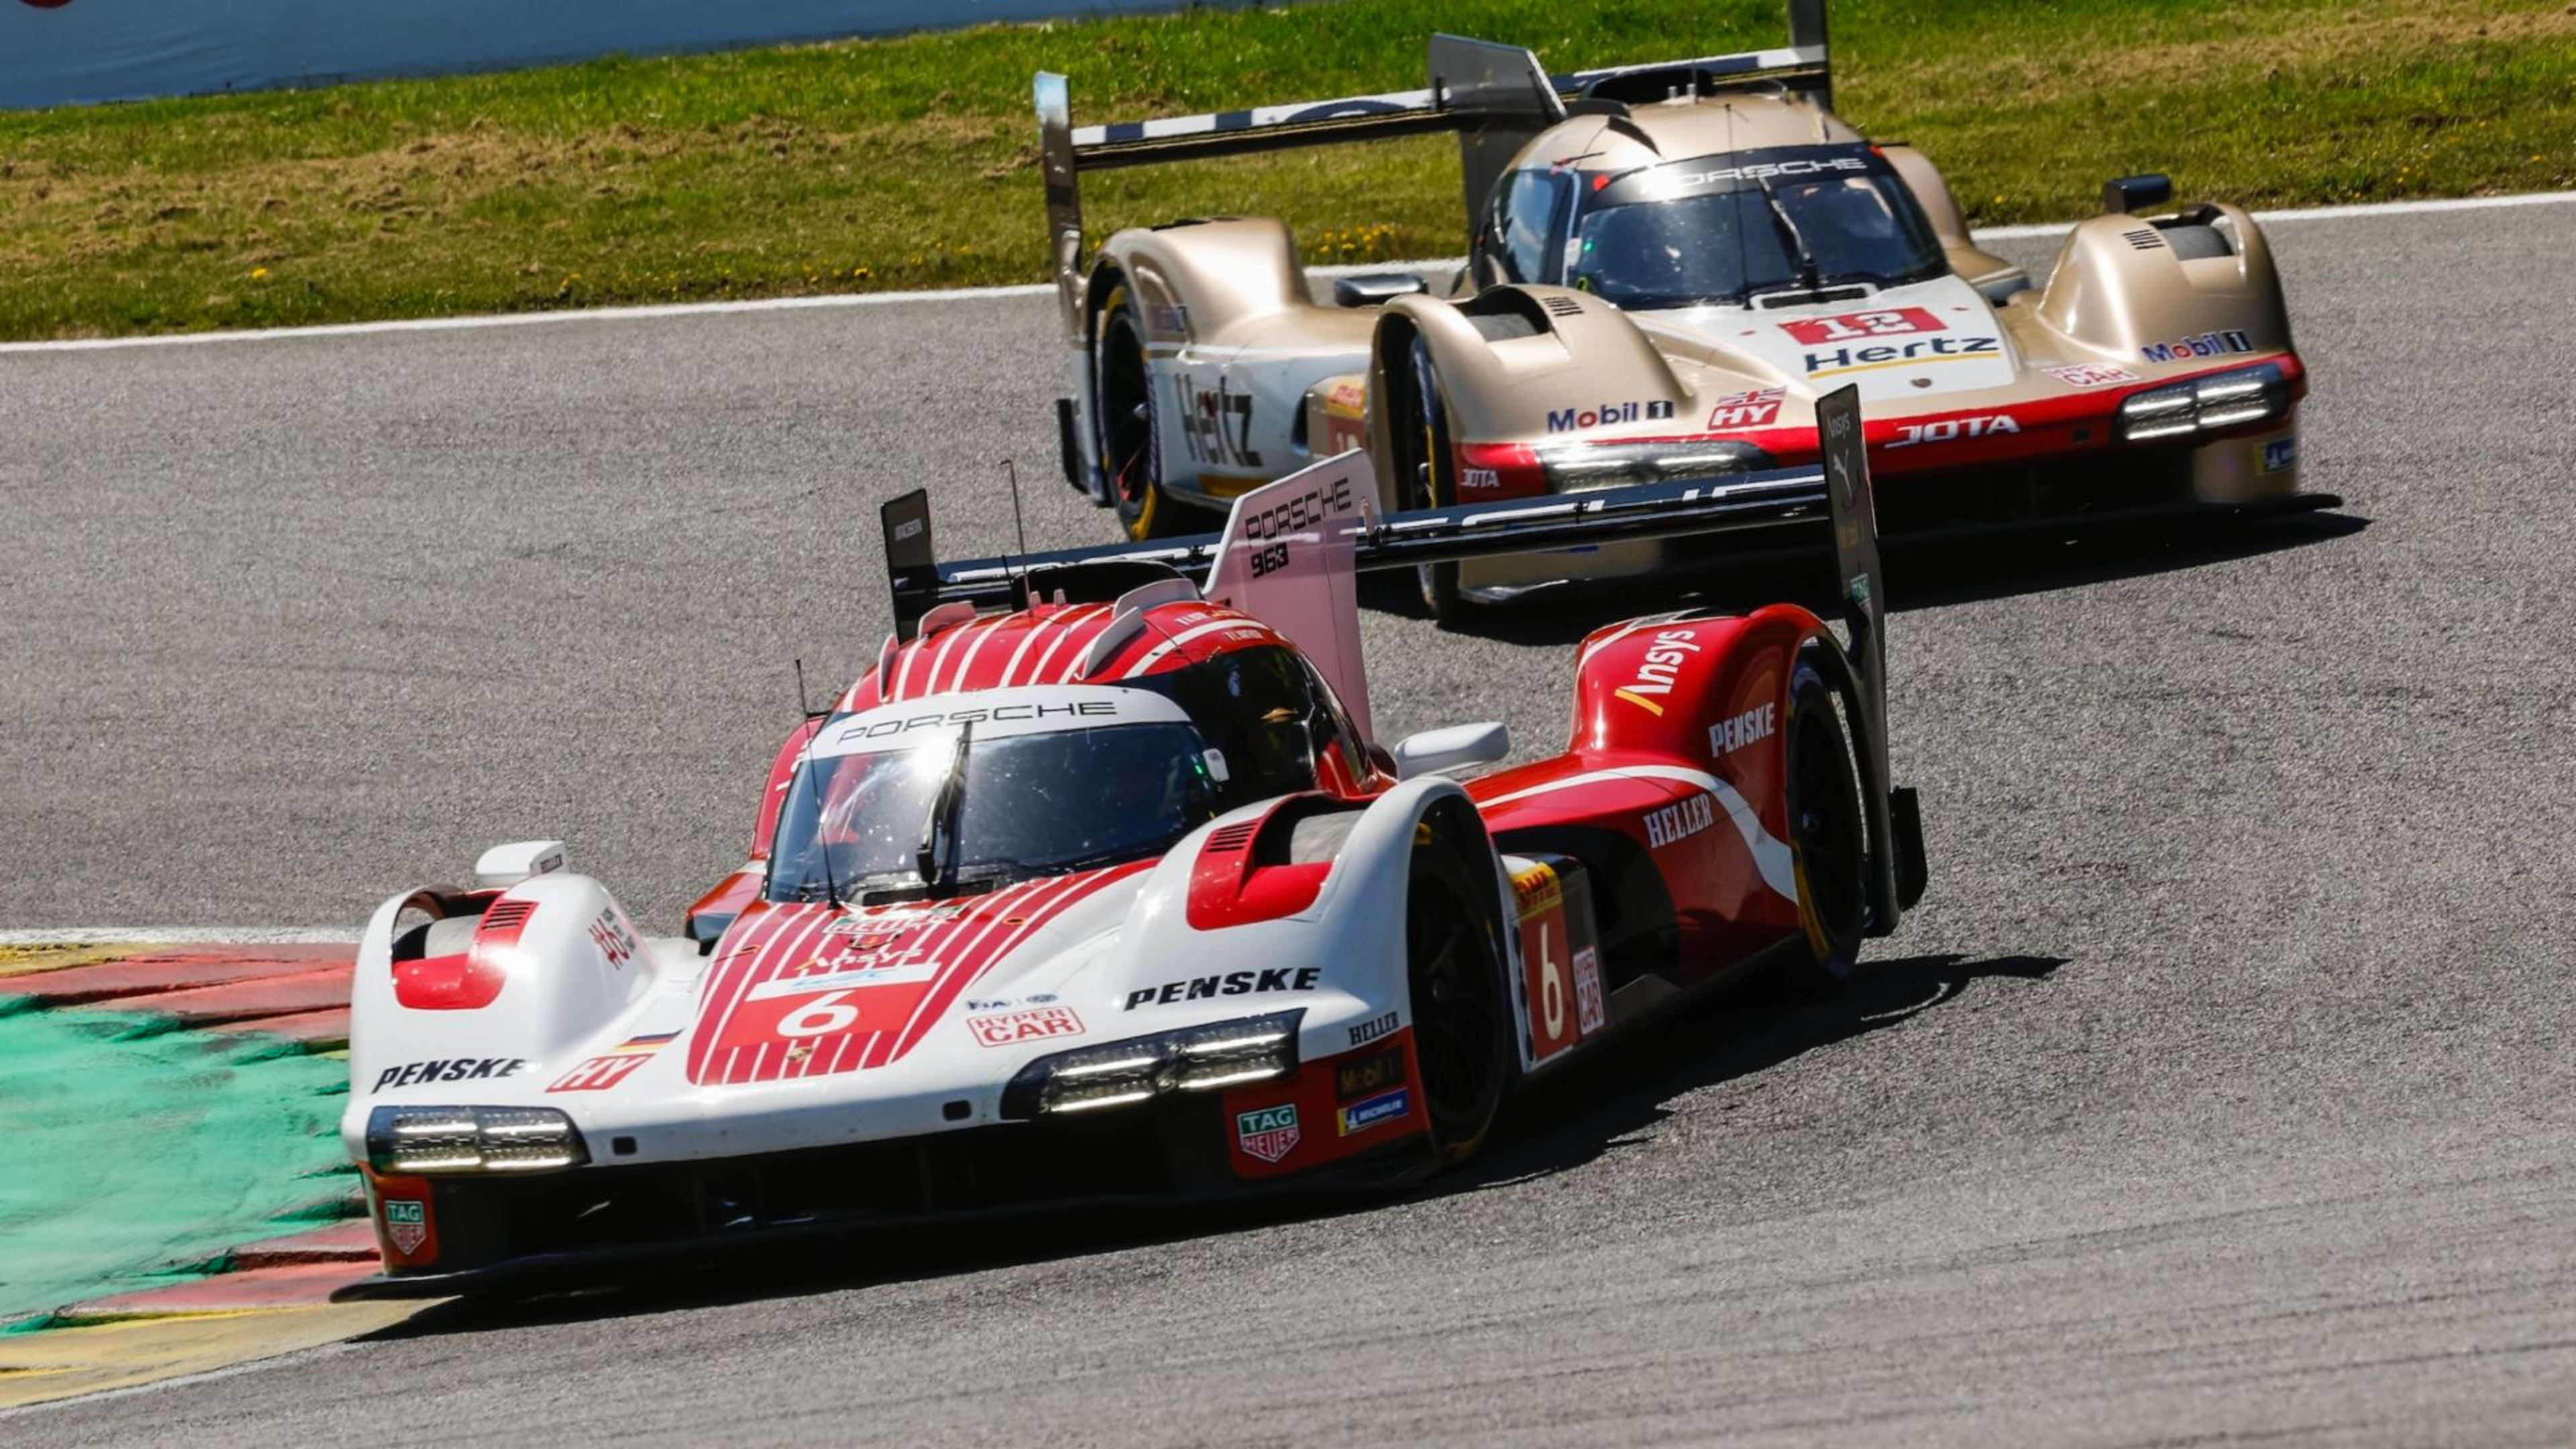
[(1859, 326)]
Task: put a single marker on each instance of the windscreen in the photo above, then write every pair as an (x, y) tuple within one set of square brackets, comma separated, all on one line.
[(1723, 230), (1024, 805)]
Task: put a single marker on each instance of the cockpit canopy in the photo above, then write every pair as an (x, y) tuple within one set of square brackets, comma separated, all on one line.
[(1720, 230), (1053, 779)]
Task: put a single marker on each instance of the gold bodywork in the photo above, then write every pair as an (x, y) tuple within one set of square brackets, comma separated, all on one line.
[(2018, 377)]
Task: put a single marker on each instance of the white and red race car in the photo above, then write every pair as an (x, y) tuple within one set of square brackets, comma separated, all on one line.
[(1108, 893)]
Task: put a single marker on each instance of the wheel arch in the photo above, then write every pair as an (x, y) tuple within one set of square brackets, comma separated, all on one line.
[(2119, 284), (1507, 359)]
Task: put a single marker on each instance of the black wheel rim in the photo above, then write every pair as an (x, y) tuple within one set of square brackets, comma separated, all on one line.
[(1126, 413), (1826, 808), (1454, 1010), (1434, 441)]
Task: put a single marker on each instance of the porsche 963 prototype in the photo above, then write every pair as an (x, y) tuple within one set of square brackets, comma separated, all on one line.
[(1099, 886), (1666, 265)]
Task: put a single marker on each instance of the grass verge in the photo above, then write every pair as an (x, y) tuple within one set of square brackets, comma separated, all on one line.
[(911, 162)]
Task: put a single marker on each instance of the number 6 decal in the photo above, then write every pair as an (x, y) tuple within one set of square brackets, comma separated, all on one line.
[(1551, 990), (822, 1016)]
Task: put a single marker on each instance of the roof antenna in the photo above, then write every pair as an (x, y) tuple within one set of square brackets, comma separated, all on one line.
[(1743, 261), (1019, 526), (1019, 593), (831, 888)]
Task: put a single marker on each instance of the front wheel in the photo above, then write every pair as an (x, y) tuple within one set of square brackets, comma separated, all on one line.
[(1461, 1020), (1432, 463), (1123, 392), (1828, 840)]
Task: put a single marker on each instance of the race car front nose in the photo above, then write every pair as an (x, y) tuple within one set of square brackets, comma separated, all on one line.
[(436, 1140)]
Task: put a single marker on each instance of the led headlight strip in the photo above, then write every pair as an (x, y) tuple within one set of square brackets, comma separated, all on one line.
[(472, 1139), (1140, 1069), (1572, 468), (2205, 404)]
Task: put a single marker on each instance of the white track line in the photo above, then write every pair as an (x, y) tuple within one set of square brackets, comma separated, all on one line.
[(184, 936), (1039, 289), (2323, 213)]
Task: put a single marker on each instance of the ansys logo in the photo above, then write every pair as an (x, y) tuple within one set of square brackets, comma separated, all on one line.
[(1660, 669)]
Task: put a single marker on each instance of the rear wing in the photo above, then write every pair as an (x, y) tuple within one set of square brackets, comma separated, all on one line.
[(1291, 550), (1732, 503), (1493, 97)]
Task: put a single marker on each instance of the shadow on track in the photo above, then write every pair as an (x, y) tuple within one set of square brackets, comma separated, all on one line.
[(1575, 1117), (1922, 575), (1596, 1107)]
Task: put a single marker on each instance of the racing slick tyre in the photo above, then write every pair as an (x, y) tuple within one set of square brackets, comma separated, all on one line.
[(1124, 390), (1432, 464), (1828, 840), (1461, 1022)]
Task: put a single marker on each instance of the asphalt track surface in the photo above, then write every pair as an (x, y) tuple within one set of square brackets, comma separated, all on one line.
[(2220, 1091)]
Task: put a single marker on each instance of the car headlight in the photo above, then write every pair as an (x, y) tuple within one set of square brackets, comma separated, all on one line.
[(413, 1140), (1581, 466), (1190, 1059), (2204, 404)]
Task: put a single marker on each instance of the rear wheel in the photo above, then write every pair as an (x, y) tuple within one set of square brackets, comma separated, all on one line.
[(1124, 392), (1432, 483), (1828, 840), (1461, 1022)]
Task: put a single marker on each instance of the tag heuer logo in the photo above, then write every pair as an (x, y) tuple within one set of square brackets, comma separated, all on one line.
[(1269, 1133), (407, 1223)]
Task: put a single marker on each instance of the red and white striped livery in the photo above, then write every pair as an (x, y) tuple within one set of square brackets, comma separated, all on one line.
[(1108, 892)]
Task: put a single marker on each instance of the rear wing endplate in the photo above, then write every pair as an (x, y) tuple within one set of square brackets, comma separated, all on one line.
[(1895, 828)]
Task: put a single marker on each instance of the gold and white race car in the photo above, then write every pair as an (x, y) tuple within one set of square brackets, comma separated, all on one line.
[(1667, 264)]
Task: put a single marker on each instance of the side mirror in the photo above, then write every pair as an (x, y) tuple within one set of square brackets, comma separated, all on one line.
[(1376, 288), (2122, 195), (706, 930), (1446, 751), (507, 865)]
